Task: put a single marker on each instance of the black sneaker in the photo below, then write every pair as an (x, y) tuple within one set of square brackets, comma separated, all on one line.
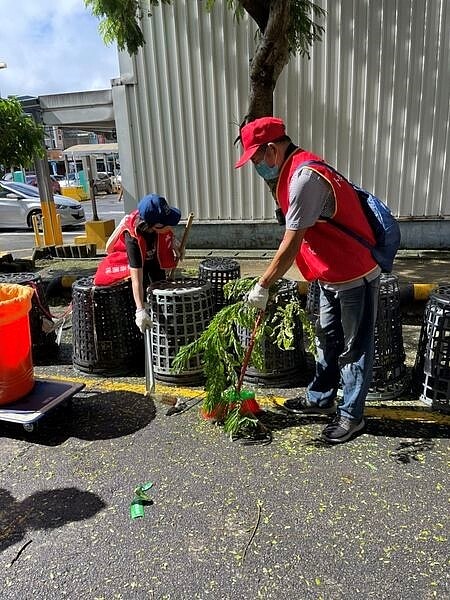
[(302, 406), (341, 429)]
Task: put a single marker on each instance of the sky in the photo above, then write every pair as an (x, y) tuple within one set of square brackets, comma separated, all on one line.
[(52, 47)]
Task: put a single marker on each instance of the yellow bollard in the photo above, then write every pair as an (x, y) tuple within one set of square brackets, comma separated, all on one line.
[(38, 241), (97, 232), (51, 223)]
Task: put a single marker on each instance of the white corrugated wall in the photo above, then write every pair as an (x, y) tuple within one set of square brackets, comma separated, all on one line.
[(373, 100)]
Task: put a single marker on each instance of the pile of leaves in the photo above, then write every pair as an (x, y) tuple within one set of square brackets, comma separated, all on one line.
[(222, 352)]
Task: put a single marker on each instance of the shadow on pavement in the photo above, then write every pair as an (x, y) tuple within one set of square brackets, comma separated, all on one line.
[(414, 429), (62, 356), (421, 428), (47, 509), (91, 416)]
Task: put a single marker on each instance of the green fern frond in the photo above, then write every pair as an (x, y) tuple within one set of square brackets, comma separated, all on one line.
[(220, 347)]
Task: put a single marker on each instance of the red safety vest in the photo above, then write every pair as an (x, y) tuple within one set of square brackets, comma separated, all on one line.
[(114, 267), (327, 253)]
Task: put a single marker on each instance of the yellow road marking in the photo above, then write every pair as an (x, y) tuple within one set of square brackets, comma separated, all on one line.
[(391, 413), (109, 385), (397, 413), (423, 415)]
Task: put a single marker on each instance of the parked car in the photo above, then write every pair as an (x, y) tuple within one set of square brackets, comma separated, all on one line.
[(56, 188), (20, 201), (31, 179), (69, 180), (103, 183)]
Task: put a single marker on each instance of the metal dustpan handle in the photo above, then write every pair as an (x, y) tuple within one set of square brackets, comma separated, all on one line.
[(149, 374)]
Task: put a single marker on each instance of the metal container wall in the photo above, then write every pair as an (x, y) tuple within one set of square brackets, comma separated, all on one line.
[(219, 271), (373, 100), (106, 340), (180, 310)]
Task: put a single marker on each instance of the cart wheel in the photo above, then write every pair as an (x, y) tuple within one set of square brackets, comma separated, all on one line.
[(29, 427)]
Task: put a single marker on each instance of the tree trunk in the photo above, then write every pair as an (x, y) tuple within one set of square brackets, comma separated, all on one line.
[(271, 56)]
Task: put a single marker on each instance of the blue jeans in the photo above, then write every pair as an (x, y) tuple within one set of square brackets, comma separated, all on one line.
[(345, 346)]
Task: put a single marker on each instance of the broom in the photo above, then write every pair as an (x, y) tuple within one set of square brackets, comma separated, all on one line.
[(252, 405), (183, 243)]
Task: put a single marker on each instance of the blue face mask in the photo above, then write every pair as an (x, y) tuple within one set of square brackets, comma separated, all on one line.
[(266, 172)]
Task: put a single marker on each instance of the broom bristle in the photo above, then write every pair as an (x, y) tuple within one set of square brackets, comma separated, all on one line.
[(168, 399)]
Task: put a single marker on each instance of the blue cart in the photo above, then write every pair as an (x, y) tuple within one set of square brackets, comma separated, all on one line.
[(44, 396)]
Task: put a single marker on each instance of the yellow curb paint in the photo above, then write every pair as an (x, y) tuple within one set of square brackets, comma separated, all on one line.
[(422, 415), (422, 291), (111, 386), (394, 413)]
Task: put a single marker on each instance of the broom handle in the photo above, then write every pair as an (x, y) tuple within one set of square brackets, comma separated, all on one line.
[(249, 351), (183, 242)]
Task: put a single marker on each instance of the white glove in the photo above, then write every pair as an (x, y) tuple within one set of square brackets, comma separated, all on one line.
[(143, 319), (258, 297)]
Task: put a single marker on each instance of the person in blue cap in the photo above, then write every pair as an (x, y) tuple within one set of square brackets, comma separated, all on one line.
[(142, 247)]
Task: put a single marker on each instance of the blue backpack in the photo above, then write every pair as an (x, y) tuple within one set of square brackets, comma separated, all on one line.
[(383, 223)]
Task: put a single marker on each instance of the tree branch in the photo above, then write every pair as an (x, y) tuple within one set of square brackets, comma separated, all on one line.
[(258, 11)]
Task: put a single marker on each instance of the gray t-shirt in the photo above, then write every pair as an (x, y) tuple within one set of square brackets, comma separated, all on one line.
[(311, 197)]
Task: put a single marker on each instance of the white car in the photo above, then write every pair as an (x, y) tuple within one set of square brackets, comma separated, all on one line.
[(69, 181), (20, 201)]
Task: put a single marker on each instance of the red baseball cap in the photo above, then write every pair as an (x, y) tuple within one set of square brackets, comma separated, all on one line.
[(257, 133)]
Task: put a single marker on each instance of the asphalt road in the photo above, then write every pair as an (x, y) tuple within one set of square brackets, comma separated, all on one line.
[(295, 519), (292, 520), (21, 242)]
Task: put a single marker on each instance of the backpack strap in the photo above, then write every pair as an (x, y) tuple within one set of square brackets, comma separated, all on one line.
[(330, 220)]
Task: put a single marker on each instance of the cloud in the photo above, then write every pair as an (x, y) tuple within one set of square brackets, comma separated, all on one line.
[(51, 47)]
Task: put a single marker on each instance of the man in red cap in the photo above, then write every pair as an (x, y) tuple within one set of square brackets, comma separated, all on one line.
[(309, 194)]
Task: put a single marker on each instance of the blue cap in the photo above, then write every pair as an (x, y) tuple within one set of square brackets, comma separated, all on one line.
[(154, 209)]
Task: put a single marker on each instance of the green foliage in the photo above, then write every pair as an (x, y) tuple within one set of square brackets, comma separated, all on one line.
[(21, 138), (220, 349), (235, 422), (222, 352), (304, 30), (233, 5), (283, 333), (120, 21)]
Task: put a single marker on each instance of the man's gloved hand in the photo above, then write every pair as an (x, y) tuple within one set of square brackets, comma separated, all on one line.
[(143, 319), (258, 297)]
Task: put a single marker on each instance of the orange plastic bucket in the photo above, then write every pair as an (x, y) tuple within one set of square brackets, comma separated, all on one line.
[(16, 367)]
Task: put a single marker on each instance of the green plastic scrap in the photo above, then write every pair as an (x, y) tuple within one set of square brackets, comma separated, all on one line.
[(140, 497), (141, 490), (136, 508)]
